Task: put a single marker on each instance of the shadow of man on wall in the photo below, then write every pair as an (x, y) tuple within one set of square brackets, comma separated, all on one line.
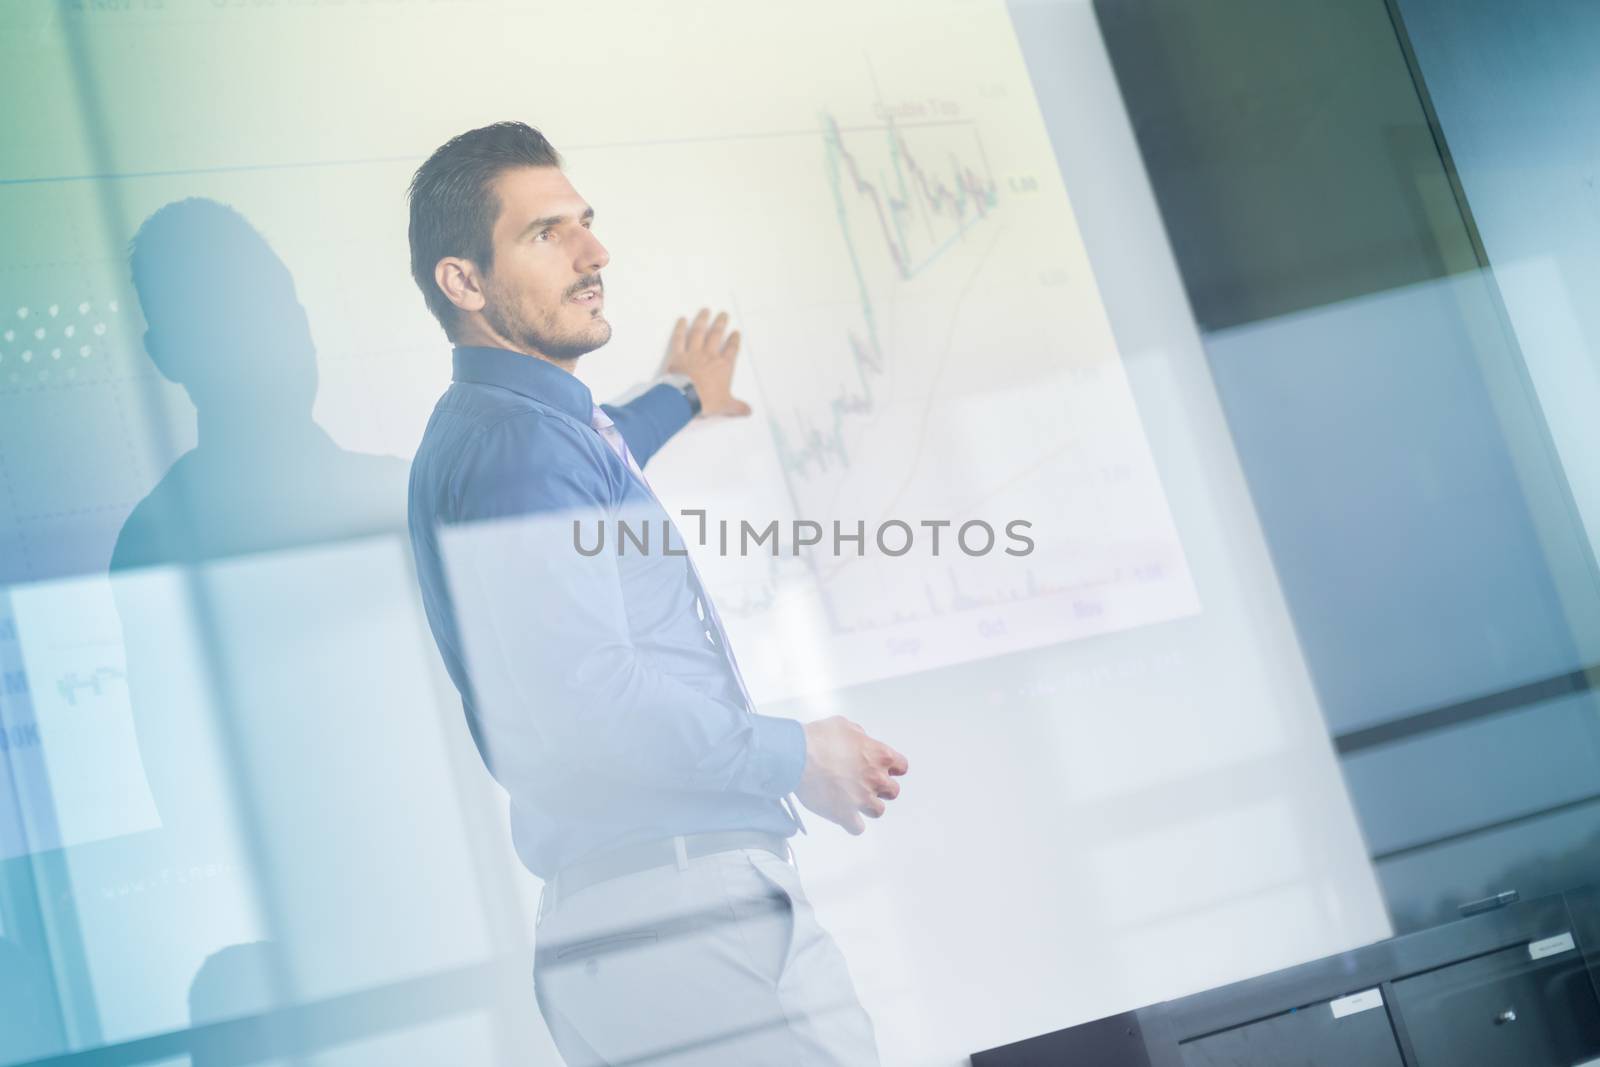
[(226, 618), (224, 323)]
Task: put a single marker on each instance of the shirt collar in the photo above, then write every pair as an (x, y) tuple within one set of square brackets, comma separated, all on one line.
[(529, 376)]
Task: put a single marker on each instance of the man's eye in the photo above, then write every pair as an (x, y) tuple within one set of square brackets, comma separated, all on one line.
[(545, 235)]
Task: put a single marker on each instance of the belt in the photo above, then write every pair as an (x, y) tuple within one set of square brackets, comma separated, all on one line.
[(664, 852)]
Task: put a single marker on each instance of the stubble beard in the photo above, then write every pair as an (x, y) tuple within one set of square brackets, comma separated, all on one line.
[(546, 337)]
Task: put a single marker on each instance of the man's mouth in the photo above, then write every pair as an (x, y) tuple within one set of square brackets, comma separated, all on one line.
[(588, 297)]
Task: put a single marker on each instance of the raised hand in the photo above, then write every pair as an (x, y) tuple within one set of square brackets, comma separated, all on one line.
[(706, 352)]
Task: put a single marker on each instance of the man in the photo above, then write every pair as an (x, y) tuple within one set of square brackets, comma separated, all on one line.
[(600, 689)]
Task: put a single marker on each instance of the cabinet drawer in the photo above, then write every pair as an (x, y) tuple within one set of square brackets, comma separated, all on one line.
[(1515, 1006), (1322, 1035)]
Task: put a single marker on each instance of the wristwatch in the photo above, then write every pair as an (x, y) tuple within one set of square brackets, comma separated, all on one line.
[(682, 384)]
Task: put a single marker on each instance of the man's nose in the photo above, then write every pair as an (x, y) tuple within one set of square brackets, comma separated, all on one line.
[(592, 255)]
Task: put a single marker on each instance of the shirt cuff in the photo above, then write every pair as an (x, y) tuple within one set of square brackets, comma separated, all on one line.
[(779, 756), (678, 405)]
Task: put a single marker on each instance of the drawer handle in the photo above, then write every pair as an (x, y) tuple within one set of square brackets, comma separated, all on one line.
[(1507, 1016)]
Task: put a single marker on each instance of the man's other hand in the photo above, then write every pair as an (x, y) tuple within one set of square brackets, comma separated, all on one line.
[(706, 352), (848, 774)]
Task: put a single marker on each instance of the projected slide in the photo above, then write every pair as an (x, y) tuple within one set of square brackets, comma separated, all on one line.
[(925, 348), (924, 340)]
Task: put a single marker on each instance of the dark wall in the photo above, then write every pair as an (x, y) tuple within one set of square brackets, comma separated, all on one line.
[(1291, 158), (1421, 526)]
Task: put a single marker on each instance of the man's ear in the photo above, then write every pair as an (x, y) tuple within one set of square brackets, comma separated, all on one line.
[(460, 282)]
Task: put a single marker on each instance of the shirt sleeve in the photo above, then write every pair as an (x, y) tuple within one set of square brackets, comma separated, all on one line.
[(544, 628), (649, 420)]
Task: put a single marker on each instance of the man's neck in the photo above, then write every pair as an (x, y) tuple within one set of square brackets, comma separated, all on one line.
[(482, 336)]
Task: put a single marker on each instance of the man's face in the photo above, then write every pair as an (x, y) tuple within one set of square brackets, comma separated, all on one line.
[(543, 293)]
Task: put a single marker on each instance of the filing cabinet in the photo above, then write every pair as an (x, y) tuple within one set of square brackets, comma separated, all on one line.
[(1516, 986)]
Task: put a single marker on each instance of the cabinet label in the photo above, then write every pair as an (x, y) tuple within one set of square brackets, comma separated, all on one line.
[(1550, 946), (1365, 1000)]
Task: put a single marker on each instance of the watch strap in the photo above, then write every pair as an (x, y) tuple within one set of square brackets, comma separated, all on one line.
[(684, 385)]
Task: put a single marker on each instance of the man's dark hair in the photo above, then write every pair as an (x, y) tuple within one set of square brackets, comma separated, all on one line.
[(453, 205)]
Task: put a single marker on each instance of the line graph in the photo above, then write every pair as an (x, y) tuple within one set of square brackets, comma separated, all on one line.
[(946, 357), (909, 194), (923, 195)]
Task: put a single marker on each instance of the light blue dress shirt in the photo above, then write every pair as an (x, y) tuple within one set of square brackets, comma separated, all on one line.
[(612, 718)]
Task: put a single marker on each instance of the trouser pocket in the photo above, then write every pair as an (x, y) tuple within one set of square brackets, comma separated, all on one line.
[(599, 946), (766, 916)]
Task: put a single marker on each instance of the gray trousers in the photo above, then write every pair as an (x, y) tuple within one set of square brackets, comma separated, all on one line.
[(719, 961)]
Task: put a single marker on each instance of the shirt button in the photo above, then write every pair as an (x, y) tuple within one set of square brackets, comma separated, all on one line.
[(700, 608)]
